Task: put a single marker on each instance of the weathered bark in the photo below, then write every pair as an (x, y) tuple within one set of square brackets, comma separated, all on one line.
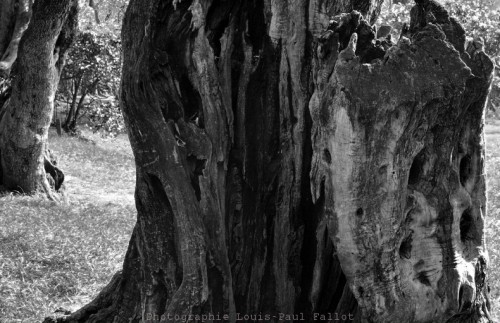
[(24, 160), (289, 163)]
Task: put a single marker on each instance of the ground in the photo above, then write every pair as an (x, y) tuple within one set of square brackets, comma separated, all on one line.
[(492, 139), (58, 257)]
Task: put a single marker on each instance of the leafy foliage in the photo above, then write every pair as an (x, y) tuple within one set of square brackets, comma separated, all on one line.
[(395, 15), (480, 21), (109, 12), (91, 78), (105, 115)]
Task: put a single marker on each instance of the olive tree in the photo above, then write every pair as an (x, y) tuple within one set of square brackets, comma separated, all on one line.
[(36, 51), (292, 166)]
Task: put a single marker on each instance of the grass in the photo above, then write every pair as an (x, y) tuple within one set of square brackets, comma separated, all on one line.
[(492, 227), (61, 255), (54, 256)]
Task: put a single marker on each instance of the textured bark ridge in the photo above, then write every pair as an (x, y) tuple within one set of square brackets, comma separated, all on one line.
[(399, 160), (26, 164), (288, 162)]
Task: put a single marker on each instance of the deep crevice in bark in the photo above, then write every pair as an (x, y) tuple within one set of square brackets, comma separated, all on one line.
[(256, 26), (192, 103), (465, 169), (416, 169), (467, 226), (218, 19), (406, 246)]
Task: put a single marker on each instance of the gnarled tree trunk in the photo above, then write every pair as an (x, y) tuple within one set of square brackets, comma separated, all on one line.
[(289, 163), (25, 162)]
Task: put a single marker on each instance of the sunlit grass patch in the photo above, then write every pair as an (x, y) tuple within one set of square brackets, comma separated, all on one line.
[(96, 169), (492, 228), (57, 254), (61, 255)]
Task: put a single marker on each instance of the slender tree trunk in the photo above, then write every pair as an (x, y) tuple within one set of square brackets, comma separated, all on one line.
[(77, 111), (24, 126), (14, 19), (76, 108), (74, 99), (289, 164)]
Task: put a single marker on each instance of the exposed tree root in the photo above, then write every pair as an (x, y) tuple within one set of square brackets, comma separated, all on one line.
[(51, 168), (54, 177), (97, 309), (48, 191)]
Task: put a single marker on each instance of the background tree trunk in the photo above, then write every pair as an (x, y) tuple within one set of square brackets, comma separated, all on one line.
[(289, 163), (22, 17), (14, 19), (7, 21), (74, 101), (24, 160)]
